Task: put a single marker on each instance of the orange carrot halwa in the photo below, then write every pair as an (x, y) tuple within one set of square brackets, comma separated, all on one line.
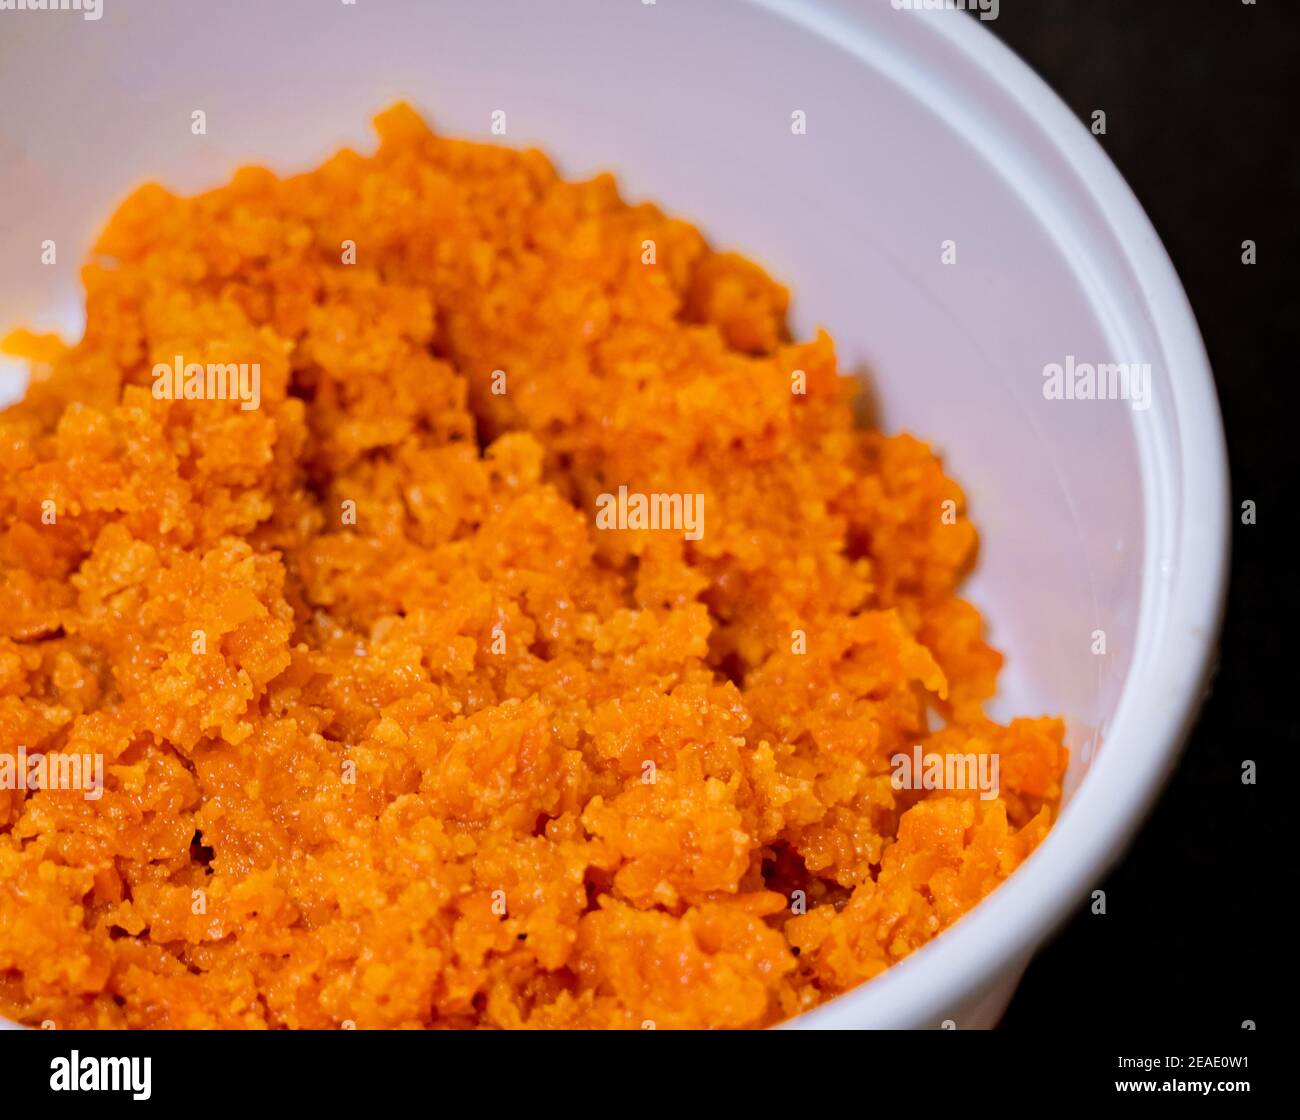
[(392, 733)]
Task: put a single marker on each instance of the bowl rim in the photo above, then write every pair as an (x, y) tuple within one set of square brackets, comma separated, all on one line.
[(1184, 576)]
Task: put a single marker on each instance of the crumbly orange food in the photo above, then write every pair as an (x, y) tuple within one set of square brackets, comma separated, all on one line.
[(469, 760)]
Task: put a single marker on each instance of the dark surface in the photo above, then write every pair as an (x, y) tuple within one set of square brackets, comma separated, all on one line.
[(1199, 122)]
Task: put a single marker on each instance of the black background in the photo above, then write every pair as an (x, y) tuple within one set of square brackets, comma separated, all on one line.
[(1199, 122)]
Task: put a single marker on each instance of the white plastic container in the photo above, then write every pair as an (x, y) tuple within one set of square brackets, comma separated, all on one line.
[(921, 129)]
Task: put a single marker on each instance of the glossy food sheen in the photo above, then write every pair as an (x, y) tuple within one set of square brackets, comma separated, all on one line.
[(462, 758)]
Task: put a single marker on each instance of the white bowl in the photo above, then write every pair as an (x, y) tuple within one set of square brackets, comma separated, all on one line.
[(921, 129)]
